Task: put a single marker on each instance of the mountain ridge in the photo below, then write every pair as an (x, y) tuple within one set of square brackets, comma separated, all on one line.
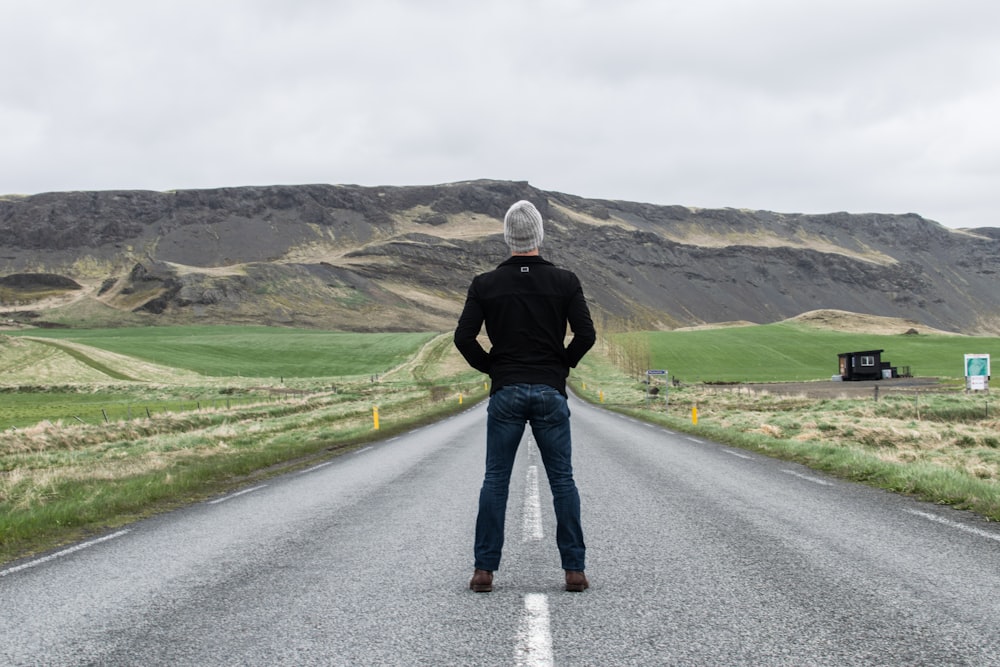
[(400, 258)]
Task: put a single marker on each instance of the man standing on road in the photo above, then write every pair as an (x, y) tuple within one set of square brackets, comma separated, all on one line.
[(526, 303)]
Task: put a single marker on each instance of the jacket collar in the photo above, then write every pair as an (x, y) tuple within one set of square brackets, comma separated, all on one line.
[(525, 259)]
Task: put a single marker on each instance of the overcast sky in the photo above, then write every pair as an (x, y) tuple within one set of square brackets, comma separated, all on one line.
[(888, 106)]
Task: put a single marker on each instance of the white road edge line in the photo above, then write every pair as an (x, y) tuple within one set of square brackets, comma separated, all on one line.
[(534, 645), (315, 467), (737, 454), (364, 449), (532, 520), (234, 495), (954, 524), (60, 554), (808, 478)]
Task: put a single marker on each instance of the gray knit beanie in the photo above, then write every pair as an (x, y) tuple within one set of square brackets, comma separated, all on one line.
[(522, 227)]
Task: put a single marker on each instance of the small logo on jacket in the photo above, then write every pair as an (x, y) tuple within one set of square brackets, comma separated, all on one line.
[(525, 269)]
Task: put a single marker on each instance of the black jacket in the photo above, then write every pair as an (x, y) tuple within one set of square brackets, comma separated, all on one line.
[(526, 303)]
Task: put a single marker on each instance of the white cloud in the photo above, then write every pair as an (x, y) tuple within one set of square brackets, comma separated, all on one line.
[(829, 105)]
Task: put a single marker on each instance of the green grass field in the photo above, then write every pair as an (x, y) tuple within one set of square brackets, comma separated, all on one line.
[(229, 361), (792, 352), (265, 352)]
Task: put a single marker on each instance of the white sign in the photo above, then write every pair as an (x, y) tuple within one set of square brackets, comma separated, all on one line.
[(977, 365), (977, 372)]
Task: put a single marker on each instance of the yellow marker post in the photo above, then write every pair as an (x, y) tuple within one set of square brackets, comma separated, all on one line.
[(375, 416), (694, 415), (460, 398)]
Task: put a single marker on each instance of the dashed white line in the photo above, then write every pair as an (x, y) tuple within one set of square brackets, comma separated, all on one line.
[(954, 524), (234, 495), (808, 478), (534, 645), (532, 521), (738, 454), (363, 449), (315, 467), (60, 554)]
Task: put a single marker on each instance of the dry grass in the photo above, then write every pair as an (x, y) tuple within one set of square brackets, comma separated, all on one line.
[(896, 429), (942, 446), (97, 475), (840, 320), (61, 479)]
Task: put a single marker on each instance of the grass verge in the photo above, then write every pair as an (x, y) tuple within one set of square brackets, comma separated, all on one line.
[(943, 448), (62, 482)]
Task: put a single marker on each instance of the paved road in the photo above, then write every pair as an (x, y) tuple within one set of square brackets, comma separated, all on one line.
[(699, 554)]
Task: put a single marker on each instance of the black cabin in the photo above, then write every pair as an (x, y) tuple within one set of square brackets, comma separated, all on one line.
[(865, 365)]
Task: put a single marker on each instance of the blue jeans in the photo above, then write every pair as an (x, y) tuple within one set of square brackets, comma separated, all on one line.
[(510, 409)]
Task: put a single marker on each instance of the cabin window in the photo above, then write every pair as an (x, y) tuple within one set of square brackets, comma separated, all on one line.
[(867, 360)]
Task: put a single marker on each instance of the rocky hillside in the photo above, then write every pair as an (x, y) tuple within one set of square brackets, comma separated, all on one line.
[(400, 258)]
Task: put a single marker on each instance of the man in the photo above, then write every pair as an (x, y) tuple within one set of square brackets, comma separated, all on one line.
[(526, 303)]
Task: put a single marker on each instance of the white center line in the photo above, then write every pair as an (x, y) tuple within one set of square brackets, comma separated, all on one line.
[(534, 645), (532, 507)]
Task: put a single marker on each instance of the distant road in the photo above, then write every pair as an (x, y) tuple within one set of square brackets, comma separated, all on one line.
[(699, 554)]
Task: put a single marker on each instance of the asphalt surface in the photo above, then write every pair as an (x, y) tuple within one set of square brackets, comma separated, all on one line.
[(698, 554)]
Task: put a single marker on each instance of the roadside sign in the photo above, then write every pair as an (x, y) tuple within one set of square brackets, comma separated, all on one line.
[(977, 372), (652, 372), (975, 365)]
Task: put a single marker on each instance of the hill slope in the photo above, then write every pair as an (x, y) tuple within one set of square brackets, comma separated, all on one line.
[(400, 258)]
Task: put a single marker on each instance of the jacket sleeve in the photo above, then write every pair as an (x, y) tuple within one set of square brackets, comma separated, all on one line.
[(584, 335), (470, 322)]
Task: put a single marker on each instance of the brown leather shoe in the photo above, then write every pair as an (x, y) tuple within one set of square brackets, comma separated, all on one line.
[(576, 582), (482, 581)]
